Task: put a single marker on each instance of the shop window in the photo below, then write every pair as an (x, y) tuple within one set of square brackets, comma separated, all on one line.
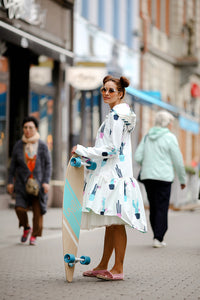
[(3, 123)]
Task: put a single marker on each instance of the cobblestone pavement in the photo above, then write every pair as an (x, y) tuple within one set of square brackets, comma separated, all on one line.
[(37, 272)]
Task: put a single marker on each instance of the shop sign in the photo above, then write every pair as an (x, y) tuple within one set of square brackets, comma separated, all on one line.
[(86, 78), (40, 75), (189, 125), (195, 90), (26, 10)]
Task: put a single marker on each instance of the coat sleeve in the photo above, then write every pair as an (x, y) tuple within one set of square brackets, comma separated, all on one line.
[(13, 165), (177, 160), (139, 153), (112, 140), (47, 164)]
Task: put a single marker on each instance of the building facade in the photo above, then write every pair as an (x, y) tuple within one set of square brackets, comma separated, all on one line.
[(170, 64), (36, 48), (106, 41), (155, 43)]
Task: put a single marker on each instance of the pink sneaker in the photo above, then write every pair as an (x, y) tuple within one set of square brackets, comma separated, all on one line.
[(33, 240), (25, 235)]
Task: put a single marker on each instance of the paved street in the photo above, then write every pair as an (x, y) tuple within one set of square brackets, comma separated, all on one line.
[(30, 273)]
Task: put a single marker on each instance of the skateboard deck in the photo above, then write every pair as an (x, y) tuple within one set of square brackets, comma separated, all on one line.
[(71, 215)]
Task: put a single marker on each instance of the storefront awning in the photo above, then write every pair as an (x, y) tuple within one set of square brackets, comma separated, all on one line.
[(186, 121), (24, 39), (144, 98)]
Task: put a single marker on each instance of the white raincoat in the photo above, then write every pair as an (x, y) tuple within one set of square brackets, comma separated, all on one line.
[(111, 194)]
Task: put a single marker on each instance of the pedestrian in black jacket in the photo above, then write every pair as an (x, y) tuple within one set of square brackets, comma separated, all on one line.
[(29, 177)]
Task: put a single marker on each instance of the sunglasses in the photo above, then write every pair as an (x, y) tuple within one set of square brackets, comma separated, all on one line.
[(110, 90)]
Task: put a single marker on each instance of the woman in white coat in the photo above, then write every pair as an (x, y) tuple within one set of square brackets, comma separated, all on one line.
[(112, 196)]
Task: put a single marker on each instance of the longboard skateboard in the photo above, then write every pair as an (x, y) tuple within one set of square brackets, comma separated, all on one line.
[(72, 212)]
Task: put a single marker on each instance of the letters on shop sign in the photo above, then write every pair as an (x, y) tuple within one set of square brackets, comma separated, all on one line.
[(28, 11)]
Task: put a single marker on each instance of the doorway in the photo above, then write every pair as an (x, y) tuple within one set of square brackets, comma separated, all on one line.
[(19, 62)]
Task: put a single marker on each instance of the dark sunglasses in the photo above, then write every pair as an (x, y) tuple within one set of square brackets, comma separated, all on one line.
[(110, 90)]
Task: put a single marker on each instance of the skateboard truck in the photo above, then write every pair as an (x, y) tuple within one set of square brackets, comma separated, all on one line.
[(71, 260), (77, 162)]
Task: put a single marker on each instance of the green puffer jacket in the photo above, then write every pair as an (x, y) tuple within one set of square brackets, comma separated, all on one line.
[(159, 155)]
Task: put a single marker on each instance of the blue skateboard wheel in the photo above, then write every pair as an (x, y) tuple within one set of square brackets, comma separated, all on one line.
[(92, 165), (75, 162), (86, 260), (69, 258)]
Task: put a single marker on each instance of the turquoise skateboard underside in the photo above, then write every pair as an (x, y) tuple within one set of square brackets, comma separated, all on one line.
[(72, 209)]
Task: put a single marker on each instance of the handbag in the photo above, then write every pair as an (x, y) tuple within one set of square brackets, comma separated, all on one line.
[(32, 187), (139, 174)]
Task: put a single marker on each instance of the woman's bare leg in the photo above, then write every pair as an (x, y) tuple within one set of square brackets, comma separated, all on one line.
[(120, 241), (115, 238), (108, 248)]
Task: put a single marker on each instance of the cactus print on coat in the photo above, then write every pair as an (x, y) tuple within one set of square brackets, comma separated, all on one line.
[(111, 189)]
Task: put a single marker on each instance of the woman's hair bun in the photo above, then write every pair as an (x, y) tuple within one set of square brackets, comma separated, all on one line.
[(124, 81)]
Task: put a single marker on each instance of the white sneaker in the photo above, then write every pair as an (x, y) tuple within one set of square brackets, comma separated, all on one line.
[(158, 244)]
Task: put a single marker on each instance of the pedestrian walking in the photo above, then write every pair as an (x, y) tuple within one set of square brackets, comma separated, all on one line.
[(29, 177), (159, 155), (112, 197)]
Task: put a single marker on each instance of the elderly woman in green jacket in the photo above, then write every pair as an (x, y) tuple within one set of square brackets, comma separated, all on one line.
[(159, 156)]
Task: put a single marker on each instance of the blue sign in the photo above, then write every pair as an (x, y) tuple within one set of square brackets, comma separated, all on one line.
[(189, 125)]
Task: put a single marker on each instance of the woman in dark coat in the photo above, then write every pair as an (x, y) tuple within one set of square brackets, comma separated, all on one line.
[(30, 159)]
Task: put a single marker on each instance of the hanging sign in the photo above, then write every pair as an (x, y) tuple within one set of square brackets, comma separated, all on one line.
[(86, 78), (195, 90)]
